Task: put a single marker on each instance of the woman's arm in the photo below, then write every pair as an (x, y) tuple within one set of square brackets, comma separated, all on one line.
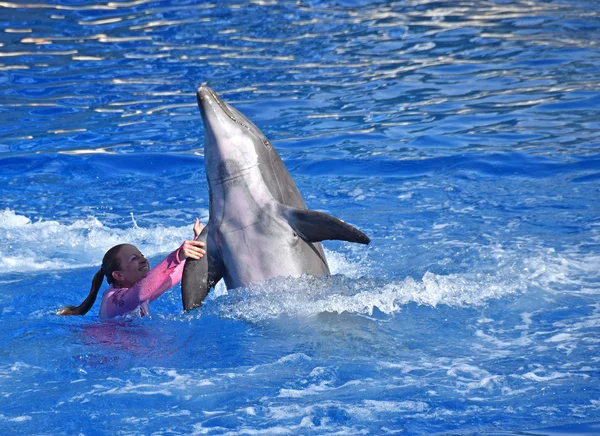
[(160, 278)]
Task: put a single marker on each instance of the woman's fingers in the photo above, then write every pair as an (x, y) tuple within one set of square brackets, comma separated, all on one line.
[(198, 226), (193, 249), (195, 243), (65, 311)]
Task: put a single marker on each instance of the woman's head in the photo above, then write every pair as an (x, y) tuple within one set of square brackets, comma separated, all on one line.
[(123, 265), (111, 262)]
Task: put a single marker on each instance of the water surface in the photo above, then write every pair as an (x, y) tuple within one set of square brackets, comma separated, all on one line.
[(460, 136)]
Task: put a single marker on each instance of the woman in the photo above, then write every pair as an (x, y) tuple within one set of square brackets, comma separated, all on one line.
[(133, 284)]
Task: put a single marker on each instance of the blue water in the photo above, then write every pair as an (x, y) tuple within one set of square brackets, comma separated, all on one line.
[(461, 136)]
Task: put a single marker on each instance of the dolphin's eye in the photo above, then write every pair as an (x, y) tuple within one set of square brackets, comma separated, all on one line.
[(267, 143)]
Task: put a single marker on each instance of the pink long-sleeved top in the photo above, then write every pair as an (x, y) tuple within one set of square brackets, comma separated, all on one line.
[(135, 300)]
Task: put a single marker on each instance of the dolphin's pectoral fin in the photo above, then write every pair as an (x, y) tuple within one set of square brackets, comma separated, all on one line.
[(315, 226), (199, 276)]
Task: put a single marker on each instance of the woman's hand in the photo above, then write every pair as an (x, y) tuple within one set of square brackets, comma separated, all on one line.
[(193, 249), (198, 226), (66, 311)]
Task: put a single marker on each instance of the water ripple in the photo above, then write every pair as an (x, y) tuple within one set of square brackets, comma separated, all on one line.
[(428, 76)]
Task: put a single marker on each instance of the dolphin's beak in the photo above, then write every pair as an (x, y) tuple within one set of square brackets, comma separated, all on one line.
[(207, 97), (204, 94)]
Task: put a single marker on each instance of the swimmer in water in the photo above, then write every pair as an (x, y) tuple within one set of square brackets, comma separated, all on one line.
[(133, 285)]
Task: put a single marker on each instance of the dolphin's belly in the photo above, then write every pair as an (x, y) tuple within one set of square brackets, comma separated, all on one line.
[(264, 250), (256, 241)]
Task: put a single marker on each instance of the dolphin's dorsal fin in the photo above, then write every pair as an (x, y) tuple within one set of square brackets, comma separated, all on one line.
[(313, 226)]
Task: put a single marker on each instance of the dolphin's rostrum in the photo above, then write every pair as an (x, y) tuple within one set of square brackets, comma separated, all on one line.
[(259, 226)]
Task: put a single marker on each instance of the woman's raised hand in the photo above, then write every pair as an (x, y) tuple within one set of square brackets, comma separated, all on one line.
[(193, 249), (198, 226)]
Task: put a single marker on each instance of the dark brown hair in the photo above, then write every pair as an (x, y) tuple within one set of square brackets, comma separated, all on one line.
[(110, 263)]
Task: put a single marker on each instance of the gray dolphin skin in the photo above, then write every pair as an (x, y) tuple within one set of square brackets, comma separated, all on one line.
[(259, 226)]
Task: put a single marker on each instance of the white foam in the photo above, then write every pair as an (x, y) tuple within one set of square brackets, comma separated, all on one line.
[(16, 418), (290, 358), (396, 406), (48, 245), (571, 269), (533, 375), (309, 296), (340, 263), (561, 337)]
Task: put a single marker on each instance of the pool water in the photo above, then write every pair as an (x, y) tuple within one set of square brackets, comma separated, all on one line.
[(462, 137)]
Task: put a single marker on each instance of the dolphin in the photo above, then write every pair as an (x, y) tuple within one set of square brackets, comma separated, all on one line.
[(259, 226)]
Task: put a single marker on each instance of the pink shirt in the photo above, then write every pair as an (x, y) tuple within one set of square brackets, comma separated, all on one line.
[(121, 301)]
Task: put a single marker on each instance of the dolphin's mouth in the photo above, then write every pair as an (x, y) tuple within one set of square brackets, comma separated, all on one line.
[(220, 103)]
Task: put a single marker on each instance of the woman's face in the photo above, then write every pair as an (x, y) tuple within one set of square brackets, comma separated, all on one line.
[(134, 266)]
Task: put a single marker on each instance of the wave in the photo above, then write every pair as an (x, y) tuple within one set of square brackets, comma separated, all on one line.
[(356, 285), (309, 296), (44, 245)]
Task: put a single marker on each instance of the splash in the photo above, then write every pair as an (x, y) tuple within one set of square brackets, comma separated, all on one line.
[(308, 296), (48, 245)]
